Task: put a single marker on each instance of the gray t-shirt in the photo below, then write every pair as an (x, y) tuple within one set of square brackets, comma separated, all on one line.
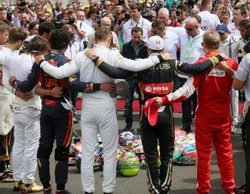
[(243, 74)]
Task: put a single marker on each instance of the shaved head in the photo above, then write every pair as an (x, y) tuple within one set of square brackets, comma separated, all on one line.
[(192, 21), (163, 11), (106, 22), (192, 27)]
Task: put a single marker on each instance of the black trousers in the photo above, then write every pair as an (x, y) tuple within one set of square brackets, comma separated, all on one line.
[(132, 82), (246, 144), (161, 134), (188, 106), (6, 145), (56, 124)]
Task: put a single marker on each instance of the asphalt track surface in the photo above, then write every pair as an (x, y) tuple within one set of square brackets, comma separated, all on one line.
[(184, 177)]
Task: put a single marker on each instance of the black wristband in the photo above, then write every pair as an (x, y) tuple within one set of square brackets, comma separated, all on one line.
[(96, 87), (95, 59), (219, 57), (160, 58), (13, 83), (40, 62), (119, 22)]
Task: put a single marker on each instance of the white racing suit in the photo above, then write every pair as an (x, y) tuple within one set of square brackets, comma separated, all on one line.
[(26, 121), (98, 112)]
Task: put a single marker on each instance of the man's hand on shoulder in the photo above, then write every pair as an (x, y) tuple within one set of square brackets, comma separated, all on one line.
[(38, 58), (12, 80), (90, 53), (166, 56)]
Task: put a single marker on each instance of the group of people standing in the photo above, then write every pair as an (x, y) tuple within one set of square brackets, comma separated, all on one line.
[(167, 58)]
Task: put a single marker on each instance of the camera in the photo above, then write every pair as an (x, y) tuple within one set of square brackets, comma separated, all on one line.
[(178, 12), (121, 2), (98, 19), (22, 3), (71, 20)]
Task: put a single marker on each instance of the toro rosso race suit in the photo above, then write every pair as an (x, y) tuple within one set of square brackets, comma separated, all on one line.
[(159, 80), (56, 118), (212, 122)]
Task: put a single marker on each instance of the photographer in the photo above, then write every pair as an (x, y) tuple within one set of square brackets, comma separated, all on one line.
[(82, 31), (105, 23), (182, 13), (136, 20), (23, 15)]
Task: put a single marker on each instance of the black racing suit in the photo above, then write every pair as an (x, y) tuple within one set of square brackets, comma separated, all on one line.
[(55, 120), (159, 80)]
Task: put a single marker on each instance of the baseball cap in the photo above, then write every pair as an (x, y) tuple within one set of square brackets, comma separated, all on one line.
[(155, 43), (151, 111), (222, 28)]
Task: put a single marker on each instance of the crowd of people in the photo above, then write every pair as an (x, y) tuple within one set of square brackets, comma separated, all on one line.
[(193, 51)]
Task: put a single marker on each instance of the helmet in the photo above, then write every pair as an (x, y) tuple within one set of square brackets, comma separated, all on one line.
[(128, 164), (126, 138)]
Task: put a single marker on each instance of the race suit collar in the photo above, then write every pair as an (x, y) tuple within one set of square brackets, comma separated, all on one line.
[(212, 53)]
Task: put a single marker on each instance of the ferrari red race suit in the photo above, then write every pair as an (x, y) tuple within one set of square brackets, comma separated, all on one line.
[(212, 123)]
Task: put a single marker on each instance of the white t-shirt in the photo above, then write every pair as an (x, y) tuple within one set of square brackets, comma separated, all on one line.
[(127, 27), (20, 66), (209, 21), (171, 43), (230, 46), (233, 30)]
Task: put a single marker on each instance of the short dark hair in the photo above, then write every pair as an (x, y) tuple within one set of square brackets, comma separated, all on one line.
[(183, 7), (242, 8), (135, 6), (3, 9), (245, 23), (158, 24), (32, 25), (102, 34), (45, 27), (137, 29), (17, 34), (59, 39), (4, 27), (37, 44)]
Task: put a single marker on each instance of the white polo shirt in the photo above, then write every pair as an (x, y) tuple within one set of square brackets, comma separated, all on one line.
[(127, 27), (191, 48), (233, 30), (230, 46), (84, 27), (209, 21), (171, 43)]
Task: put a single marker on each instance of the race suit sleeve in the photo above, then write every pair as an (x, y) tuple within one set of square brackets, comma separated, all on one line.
[(112, 71), (66, 70), (181, 94), (61, 72), (138, 64), (30, 82), (192, 69), (78, 86)]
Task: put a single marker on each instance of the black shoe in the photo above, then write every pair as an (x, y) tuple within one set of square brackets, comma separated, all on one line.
[(88, 193), (240, 190), (63, 192), (186, 128), (75, 120), (127, 128)]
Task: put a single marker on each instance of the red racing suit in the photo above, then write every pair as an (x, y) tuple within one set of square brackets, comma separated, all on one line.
[(212, 123)]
